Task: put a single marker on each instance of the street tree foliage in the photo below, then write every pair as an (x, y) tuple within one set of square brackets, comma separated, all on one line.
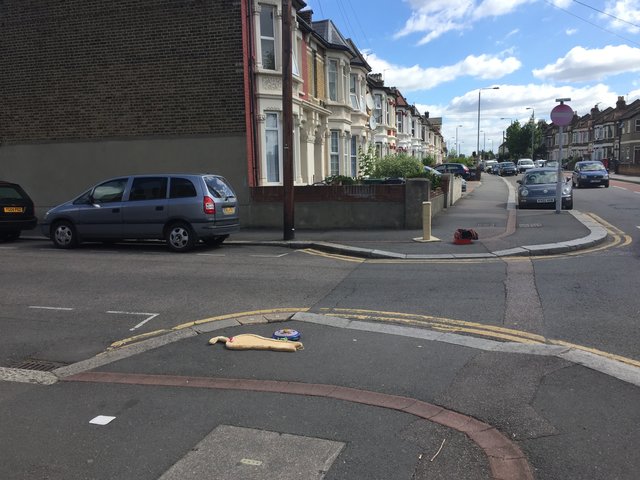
[(518, 140)]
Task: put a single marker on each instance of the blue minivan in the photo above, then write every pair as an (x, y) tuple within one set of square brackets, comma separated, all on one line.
[(180, 209)]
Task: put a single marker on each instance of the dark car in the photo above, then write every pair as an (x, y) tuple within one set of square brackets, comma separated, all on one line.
[(537, 189), (590, 173), (455, 168), (507, 169), (16, 211)]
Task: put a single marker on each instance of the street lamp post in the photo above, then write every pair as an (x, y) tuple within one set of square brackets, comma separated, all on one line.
[(457, 147), (533, 127), (478, 139)]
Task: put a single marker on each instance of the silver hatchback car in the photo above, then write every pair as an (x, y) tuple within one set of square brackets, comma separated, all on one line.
[(178, 208)]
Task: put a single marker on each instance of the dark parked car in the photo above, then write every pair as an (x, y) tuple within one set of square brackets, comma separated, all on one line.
[(178, 208), (507, 169), (590, 173), (16, 211), (455, 168), (537, 189)]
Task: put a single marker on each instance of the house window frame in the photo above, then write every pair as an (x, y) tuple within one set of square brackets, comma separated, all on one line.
[(377, 107), (332, 79), (637, 126), (334, 152), (268, 7), (354, 91), (273, 173), (354, 155)]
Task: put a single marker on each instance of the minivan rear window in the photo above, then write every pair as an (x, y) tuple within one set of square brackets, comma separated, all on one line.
[(181, 188), (218, 187)]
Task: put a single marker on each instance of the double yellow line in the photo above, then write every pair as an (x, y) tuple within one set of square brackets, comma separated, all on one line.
[(473, 328)]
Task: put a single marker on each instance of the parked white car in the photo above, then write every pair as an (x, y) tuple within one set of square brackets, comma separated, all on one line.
[(524, 164), (488, 164)]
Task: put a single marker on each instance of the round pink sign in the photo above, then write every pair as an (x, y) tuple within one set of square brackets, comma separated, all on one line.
[(562, 115)]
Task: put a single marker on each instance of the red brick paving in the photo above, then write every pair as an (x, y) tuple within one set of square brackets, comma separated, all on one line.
[(506, 459)]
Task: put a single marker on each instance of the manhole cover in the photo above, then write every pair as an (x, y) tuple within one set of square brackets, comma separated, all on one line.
[(36, 364)]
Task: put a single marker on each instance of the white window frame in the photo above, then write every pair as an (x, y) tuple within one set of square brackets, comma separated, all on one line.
[(334, 153), (354, 156), (266, 7), (354, 91), (377, 112), (332, 79), (273, 173), (637, 125)]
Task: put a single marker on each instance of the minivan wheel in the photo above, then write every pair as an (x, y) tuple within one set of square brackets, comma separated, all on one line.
[(214, 241), (180, 237), (64, 235)]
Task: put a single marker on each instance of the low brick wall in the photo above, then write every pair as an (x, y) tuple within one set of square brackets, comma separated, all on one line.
[(347, 207), (629, 169)]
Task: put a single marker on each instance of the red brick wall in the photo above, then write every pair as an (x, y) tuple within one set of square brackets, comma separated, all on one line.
[(95, 69)]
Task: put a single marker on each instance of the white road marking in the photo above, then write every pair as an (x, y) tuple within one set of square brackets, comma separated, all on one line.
[(620, 188), (150, 316), (50, 308), (269, 256), (211, 254)]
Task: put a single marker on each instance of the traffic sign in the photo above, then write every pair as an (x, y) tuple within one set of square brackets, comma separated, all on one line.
[(562, 115)]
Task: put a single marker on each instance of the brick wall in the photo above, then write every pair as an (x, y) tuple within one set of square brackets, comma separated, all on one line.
[(95, 69)]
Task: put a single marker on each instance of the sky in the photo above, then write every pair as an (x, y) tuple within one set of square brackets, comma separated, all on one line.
[(446, 55)]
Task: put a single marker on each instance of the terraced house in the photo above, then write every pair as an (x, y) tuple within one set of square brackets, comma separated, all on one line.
[(93, 89), (611, 136)]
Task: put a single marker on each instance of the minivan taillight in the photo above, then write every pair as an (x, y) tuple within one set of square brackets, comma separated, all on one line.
[(209, 205)]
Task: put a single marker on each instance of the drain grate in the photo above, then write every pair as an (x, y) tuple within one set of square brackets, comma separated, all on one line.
[(486, 225), (529, 225), (36, 364)]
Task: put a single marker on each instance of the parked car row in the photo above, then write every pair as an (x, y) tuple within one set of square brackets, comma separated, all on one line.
[(180, 209)]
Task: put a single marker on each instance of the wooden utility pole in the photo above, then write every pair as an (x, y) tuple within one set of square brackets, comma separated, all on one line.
[(287, 124)]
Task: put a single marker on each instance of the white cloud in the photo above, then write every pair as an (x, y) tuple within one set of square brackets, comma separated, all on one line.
[(628, 11), (484, 67), (509, 104), (581, 64), (571, 31)]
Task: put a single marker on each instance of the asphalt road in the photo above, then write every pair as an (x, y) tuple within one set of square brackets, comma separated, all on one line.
[(66, 306), (63, 306)]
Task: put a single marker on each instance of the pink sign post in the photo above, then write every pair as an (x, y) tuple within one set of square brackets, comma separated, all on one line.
[(561, 115)]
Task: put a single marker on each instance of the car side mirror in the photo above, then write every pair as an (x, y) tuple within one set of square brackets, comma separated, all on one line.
[(519, 181)]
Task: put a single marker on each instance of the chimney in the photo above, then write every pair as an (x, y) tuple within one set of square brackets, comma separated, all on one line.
[(306, 16), (595, 110), (621, 104)]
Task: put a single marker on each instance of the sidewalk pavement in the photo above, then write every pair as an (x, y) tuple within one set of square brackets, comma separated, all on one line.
[(362, 400), (488, 207)]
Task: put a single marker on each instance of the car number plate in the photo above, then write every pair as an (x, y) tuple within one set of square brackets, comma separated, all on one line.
[(594, 181), (229, 210), (13, 209), (546, 200)]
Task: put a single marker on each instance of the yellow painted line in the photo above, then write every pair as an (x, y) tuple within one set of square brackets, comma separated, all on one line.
[(144, 336), (604, 223), (491, 331), (335, 256), (364, 314), (240, 314), (595, 351), (136, 338)]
